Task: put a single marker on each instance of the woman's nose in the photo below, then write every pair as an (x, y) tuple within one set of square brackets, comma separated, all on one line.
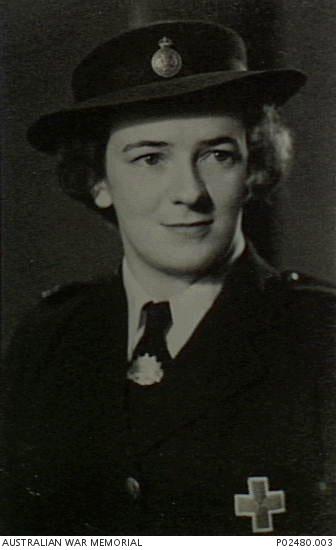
[(187, 186)]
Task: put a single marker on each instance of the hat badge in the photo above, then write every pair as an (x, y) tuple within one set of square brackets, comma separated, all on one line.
[(166, 61)]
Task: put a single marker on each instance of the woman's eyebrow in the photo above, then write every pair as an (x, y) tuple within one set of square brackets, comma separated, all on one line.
[(218, 141), (144, 143)]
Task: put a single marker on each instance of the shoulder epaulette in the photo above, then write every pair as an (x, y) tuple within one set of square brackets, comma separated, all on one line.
[(60, 293), (296, 281)]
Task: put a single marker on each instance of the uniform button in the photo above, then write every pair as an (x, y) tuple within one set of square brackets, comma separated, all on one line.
[(293, 276), (323, 486), (133, 487), (50, 291)]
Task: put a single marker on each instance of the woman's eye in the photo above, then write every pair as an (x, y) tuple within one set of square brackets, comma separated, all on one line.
[(223, 155), (151, 159)]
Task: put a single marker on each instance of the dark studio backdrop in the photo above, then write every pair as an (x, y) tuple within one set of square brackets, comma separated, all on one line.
[(49, 239)]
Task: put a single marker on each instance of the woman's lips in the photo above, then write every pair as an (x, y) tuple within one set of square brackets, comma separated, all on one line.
[(196, 228), (190, 224)]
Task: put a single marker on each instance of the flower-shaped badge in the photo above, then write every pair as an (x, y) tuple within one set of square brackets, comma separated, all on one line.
[(145, 370)]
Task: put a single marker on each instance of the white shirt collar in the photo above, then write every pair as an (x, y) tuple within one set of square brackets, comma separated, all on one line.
[(187, 309)]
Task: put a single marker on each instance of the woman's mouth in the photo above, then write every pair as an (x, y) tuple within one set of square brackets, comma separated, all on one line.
[(194, 228)]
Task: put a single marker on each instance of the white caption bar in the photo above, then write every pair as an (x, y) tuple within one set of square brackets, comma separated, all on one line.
[(170, 543)]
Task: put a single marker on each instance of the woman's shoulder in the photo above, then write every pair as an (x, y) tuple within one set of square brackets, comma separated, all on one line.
[(308, 300), (68, 293), (57, 307), (304, 307)]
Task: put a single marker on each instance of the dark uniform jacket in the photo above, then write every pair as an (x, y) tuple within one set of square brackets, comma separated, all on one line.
[(246, 408)]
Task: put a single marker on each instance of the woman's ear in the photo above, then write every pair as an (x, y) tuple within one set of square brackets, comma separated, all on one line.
[(249, 188), (101, 194)]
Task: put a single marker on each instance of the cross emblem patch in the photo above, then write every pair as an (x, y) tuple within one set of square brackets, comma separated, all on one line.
[(260, 504)]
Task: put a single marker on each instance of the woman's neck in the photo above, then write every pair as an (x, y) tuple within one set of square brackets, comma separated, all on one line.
[(162, 285)]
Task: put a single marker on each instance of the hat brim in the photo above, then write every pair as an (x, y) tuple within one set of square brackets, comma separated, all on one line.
[(260, 87)]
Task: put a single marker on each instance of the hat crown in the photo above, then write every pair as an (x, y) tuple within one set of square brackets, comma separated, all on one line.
[(162, 61), (125, 61)]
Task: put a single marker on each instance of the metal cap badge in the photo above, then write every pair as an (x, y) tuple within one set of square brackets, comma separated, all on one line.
[(166, 61)]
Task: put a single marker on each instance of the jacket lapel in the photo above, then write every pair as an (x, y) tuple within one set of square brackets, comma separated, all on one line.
[(223, 356)]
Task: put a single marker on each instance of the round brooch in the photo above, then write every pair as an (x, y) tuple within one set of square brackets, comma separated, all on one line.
[(166, 61)]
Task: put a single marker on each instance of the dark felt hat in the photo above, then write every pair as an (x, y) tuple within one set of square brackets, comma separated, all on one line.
[(169, 59)]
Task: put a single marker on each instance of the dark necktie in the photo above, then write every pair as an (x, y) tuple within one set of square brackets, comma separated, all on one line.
[(157, 323)]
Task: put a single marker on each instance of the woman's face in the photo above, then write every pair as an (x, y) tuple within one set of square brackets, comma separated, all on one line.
[(178, 186)]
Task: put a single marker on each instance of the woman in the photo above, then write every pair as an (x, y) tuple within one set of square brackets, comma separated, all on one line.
[(185, 395)]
